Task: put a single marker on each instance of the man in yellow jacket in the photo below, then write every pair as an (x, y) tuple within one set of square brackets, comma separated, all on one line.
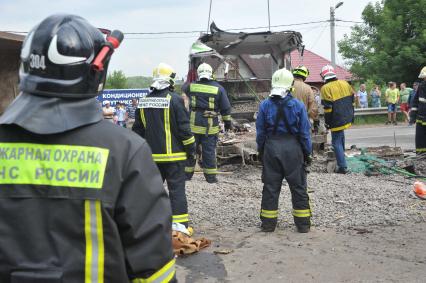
[(338, 100)]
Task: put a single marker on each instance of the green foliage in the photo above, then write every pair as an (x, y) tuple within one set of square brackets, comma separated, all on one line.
[(139, 82), (116, 80), (376, 119), (391, 43)]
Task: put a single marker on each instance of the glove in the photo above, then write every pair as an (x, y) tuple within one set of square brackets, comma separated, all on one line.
[(228, 126), (308, 160), (190, 151)]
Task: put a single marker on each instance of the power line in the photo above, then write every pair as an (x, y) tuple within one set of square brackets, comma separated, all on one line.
[(319, 37), (200, 31), (355, 22)]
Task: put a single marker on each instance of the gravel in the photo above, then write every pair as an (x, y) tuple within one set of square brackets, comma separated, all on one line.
[(340, 201)]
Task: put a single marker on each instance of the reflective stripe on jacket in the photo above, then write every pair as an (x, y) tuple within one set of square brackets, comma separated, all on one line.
[(338, 100), (207, 95), (163, 121), (87, 205)]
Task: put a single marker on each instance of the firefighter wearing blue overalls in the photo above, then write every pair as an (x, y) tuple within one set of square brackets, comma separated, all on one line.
[(284, 146), (207, 99), (80, 198), (162, 119), (418, 114)]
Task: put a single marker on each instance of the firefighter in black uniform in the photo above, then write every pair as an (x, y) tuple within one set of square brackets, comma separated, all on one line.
[(284, 144), (418, 114), (207, 99), (76, 204), (164, 122)]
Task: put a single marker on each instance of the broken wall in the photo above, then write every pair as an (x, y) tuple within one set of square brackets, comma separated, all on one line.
[(9, 66)]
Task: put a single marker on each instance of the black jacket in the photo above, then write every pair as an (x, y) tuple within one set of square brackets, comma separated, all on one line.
[(207, 95), (164, 122), (418, 105), (85, 203)]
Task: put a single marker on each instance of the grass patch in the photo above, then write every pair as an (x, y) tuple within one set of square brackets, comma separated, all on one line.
[(376, 119)]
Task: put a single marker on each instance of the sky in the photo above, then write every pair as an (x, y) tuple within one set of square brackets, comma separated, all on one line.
[(139, 54)]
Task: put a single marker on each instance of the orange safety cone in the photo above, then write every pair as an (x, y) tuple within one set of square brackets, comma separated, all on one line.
[(420, 189)]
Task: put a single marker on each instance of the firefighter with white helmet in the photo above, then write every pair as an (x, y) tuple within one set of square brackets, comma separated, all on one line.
[(418, 114), (162, 119), (285, 148), (207, 100), (338, 100)]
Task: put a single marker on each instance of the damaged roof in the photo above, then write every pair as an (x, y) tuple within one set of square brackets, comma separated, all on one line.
[(229, 43)]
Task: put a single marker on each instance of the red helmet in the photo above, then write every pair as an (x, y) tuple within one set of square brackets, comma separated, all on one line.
[(327, 72)]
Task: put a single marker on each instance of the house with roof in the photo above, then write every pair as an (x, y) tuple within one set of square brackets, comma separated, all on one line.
[(314, 63), (10, 48)]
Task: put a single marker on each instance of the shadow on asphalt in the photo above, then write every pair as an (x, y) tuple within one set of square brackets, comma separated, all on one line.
[(202, 266)]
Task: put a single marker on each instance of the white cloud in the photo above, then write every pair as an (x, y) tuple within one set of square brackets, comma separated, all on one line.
[(139, 56)]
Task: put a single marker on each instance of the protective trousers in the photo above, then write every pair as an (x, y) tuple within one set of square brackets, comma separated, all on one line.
[(174, 174), (420, 138), (283, 158), (208, 157)]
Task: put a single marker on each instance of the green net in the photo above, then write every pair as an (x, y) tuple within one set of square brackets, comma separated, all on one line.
[(370, 164)]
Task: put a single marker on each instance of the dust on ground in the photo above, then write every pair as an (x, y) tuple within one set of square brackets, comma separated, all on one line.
[(365, 229)]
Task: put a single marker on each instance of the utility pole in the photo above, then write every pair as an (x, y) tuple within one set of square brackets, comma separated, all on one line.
[(269, 18), (332, 32)]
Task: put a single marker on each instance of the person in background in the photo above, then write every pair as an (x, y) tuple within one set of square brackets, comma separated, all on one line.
[(412, 94), (362, 97), (108, 111), (121, 114), (376, 93), (392, 98), (131, 113), (404, 94)]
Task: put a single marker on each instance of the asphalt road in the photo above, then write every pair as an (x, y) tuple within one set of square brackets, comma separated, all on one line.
[(403, 136)]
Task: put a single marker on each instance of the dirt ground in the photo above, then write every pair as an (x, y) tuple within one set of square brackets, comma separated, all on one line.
[(366, 229), (381, 254)]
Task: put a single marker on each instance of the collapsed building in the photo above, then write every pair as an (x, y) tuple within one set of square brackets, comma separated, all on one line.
[(10, 48)]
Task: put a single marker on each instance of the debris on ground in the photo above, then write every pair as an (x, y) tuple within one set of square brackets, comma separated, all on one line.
[(420, 189), (223, 252), (235, 200), (185, 245)]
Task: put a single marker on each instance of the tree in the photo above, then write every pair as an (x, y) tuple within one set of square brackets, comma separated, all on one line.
[(116, 80), (391, 43)]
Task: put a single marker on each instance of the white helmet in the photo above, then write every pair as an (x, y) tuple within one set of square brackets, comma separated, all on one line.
[(327, 72), (282, 81), (205, 71), (422, 73)]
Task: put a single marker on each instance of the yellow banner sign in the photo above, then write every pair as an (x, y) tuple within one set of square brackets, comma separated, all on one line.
[(52, 165)]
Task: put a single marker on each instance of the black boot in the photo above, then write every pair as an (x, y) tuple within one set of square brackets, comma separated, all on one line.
[(303, 229), (211, 179), (268, 227)]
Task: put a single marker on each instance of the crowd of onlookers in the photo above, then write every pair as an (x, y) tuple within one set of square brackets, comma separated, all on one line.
[(393, 97), (121, 114)]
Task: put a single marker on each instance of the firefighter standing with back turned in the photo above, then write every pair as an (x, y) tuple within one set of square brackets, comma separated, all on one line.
[(76, 205), (338, 100), (418, 114), (285, 148), (163, 121), (304, 93), (207, 99)]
